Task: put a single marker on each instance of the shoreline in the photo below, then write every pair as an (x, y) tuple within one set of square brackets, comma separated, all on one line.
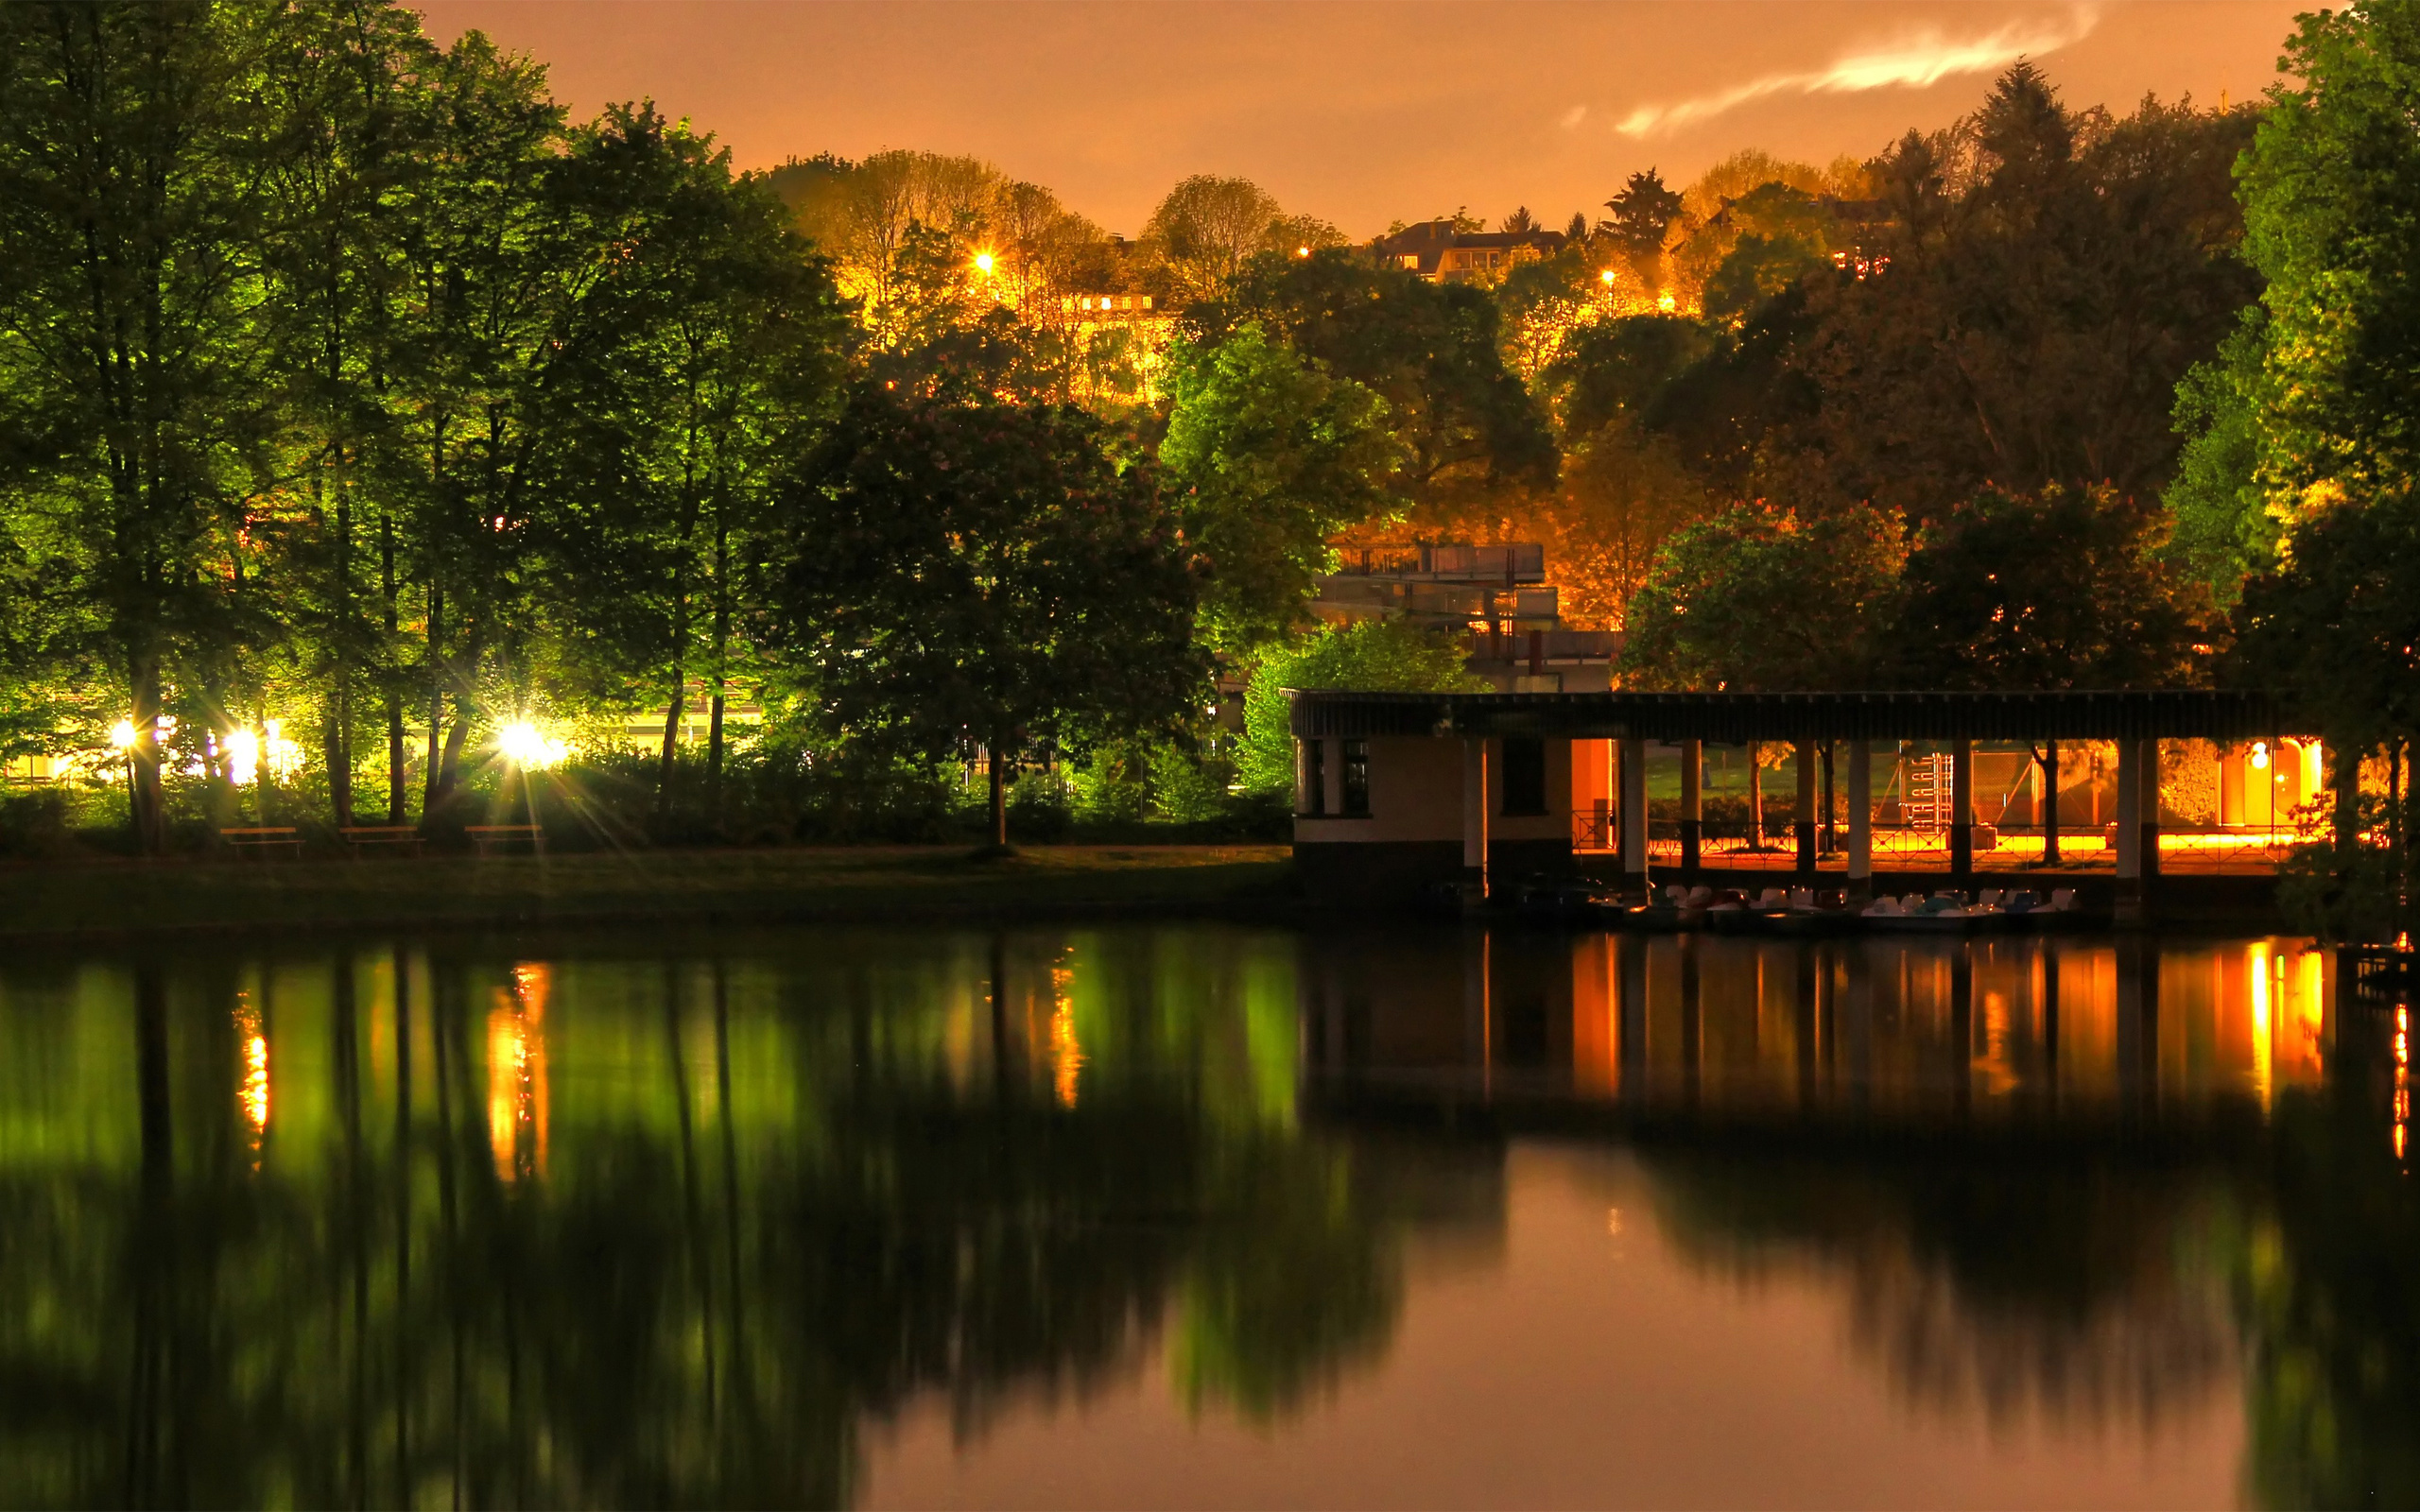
[(58, 904)]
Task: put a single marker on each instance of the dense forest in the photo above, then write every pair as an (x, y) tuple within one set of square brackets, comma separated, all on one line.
[(376, 434)]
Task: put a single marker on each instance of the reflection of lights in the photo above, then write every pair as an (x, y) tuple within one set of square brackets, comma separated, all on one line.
[(122, 734), (517, 1074), (2402, 1080), (2260, 755), (2266, 972), (1067, 1054), (254, 1094), (527, 746)]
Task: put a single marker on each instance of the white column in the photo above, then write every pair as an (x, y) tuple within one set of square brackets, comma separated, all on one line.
[(1474, 819), (1633, 813), (1860, 817)]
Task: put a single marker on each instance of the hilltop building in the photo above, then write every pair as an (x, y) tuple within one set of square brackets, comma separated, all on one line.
[(1437, 252), (1495, 599)]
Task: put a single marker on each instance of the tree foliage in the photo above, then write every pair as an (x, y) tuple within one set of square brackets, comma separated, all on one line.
[(1760, 598), (1277, 458), (2064, 589), (992, 572)]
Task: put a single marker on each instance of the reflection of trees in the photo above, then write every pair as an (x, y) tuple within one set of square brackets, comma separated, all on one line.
[(2009, 1283), (2331, 1294), (686, 1307)]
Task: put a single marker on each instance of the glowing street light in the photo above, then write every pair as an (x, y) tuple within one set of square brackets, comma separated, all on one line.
[(529, 747), (1606, 278), (1302, 252), (983, 264)]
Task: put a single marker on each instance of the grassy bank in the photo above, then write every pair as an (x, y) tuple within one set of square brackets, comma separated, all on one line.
[(941, 884)]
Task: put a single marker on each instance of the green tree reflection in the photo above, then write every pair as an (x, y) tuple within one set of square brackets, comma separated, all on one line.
[(388, 1228)]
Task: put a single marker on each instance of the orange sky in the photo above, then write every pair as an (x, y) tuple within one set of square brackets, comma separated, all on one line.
[(1360, 112)]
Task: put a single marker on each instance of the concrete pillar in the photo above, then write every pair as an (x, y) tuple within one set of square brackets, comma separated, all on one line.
[(1692, 806), (1634, 815), (1860, 820), (1474, 821), (2130, 830), (2149, 762), (1803, 756), (1962, 810)]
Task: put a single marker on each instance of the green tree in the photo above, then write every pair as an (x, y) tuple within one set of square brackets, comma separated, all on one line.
[(2066, 589), (1276, 456), (1433, 351), (1764, 599), (2308, 404), (949, 573), (137, 374), (1376, 656), (349, 97)]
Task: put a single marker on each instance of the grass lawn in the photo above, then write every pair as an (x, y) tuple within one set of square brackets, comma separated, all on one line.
[(935, 882)]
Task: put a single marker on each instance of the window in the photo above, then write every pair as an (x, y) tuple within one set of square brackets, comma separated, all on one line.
[(1356, 779), (1312, 758), (1525, 776)]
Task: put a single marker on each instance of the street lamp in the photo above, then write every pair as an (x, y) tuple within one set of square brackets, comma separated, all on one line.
[(983, 264)]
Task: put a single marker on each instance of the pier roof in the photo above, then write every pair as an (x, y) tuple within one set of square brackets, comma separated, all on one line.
[(1731, 719)]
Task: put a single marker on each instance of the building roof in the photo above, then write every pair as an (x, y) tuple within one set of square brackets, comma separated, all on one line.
[(1429, 242), (1731, 719)]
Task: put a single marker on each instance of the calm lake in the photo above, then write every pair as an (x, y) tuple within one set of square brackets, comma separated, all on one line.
[(1203, 1216)]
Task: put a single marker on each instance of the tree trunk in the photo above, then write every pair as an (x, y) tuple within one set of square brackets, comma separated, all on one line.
[(672, 713), (147, 814), (680, 696), (436, 698), (2049, 803), (398, 794), (720, 673), (993, 762), (339, 755), (449, 769)]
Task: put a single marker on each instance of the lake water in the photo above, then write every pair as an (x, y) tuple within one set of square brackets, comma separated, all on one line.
[(1203, 1216)]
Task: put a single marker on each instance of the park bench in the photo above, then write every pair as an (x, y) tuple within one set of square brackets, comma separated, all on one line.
[(262, 839), (404, 837), (488, 837)]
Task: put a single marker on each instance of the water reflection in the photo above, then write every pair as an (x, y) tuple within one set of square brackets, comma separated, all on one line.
[(442, 1223)]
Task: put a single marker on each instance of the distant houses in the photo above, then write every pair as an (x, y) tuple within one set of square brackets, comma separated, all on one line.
[(1439, 252)]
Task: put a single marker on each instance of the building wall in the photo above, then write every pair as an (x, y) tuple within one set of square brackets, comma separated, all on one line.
[(1412, 837)]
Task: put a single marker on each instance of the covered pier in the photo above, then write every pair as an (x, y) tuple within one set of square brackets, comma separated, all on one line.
[(1397, 793)]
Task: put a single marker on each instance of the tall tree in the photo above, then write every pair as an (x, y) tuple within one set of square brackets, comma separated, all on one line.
[(946, 573), (2066, 589), (1643, 214), (2309, 405), (133, 207), (1432, 351), (348, 87), (2029, 327), (1276, 459)]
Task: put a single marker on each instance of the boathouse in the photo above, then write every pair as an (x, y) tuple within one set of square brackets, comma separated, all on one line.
[(1401, 793)]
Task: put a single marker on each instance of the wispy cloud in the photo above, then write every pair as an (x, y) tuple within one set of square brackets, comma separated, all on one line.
[(1572, 117), (1915, 59)]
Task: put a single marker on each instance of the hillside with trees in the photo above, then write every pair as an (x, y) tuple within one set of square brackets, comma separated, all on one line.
[(363, 406)]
